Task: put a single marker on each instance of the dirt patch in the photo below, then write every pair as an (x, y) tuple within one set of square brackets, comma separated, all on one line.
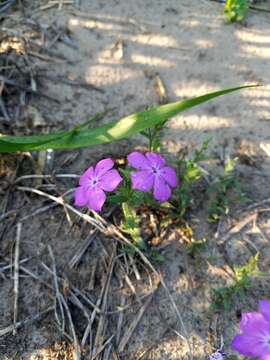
[(105, 55)]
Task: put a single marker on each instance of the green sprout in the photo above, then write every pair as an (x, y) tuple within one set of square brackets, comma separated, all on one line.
[(221, 201), (235, 10), (222, 298), (189, 173)]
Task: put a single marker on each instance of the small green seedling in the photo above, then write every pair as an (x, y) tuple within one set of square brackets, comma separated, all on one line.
[(189, 172), (196, 246), (222, 298), (226, 182), (236, 10)]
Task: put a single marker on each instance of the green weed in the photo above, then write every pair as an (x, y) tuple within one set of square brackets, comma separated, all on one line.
[(235, 10), (196, 246), (222, 298), (189, 172), (221, 201)]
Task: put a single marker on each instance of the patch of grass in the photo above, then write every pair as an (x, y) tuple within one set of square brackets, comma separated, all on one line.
[(222, 298)]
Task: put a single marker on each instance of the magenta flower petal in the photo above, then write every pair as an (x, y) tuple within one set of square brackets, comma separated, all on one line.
[(253, 322), (155, 159), (142, 180), (138, 161), (80, 196), (103, 166), (110, 180), (265, 357), (96, 199), (86, 176), (264, 307), (246, 345), (169, 175), (162, 191)]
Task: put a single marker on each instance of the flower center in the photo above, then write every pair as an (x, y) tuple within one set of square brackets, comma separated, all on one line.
[(266, 340), (94, 182), (217, 356), (156, 171)]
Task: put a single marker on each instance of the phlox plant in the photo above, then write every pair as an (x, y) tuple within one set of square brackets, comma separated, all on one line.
[(147, 179)]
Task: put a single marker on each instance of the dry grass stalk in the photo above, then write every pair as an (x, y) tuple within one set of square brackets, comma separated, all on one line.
[(6, 267), (74, 261), (126, 337), (9, 329), (100, 350), (16, 275), (100, 333), (120, 318), (134, 267), (57, 299), (238, 227), (91, 284), (63, 305), (75, 339)]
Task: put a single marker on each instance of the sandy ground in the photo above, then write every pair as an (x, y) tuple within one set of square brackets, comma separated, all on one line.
[(121, 48)]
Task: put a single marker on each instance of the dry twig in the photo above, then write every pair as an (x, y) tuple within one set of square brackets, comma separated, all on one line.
[(16, 276), (133, 325), (76, 258), (57, 300), (29, 320)]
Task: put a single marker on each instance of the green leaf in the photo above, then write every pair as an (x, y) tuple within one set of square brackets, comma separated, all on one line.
[(117, 199), (235, 10), (12, 143), (80, 137), (230, 166), (250, 269)]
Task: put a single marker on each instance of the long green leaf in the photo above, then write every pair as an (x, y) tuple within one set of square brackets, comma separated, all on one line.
[(115, 130)]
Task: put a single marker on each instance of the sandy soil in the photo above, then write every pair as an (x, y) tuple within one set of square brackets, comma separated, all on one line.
[(120, 48)]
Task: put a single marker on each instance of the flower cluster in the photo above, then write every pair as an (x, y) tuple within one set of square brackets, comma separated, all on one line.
[(254, 340), (152, 174)]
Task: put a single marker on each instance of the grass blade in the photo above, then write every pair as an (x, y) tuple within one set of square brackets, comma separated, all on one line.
[(80, 137)]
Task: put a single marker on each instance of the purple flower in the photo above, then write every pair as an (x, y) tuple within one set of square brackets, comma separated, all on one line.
[(254, 341), (94, 182), (152, 174)]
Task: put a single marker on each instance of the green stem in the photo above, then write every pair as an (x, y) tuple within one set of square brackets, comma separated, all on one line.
[(131, 225)]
